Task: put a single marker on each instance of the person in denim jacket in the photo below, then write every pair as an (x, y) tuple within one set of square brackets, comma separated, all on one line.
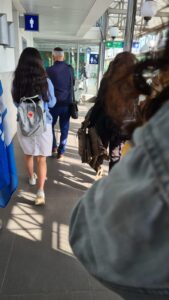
[(120, 228)]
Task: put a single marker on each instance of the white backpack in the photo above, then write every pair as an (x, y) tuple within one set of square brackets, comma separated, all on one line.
[(31, 116)]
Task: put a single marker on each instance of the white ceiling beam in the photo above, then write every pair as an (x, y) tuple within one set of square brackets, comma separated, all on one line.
[(57, 37), (112, 11), (18, 6), (96, 11)]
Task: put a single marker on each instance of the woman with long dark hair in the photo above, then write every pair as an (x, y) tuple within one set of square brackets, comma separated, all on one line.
[(110, 110), (119, 230), (30, 81)]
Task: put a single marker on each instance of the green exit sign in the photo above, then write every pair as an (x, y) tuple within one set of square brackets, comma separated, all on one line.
[(114, 44)]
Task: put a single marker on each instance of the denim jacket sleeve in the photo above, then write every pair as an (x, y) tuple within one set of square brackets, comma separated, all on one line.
[(119, 230), (52, 97)]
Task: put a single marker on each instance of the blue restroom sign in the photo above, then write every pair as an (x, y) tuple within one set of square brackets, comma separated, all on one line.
[(94, 59), (135, 45), (32, 22)]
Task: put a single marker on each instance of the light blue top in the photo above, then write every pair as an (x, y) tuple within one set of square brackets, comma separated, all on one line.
[(51, 103), (120, 228)]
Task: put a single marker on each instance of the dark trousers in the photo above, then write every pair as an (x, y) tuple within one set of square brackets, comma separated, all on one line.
[(61, 112), (114, 154)]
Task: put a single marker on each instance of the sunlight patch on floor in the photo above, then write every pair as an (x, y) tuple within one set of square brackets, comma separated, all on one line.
[(26, 222), (26, 195), (60, 238)]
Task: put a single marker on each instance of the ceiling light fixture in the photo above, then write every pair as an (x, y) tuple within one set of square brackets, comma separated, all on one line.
[(148, 10), (114, 32)]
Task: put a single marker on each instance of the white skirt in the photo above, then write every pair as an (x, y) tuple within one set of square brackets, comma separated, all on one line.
[(37, 145)]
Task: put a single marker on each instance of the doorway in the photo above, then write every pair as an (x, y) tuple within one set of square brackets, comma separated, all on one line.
[(85, 61)]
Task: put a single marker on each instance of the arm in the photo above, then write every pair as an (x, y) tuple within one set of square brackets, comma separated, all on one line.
[(114, 227), (52, 98)]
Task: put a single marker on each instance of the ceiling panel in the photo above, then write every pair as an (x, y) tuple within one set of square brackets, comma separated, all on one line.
[(73, 18), (30, 5), (67, 15)]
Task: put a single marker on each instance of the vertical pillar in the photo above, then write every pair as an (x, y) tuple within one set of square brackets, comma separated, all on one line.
[(17, 48), (101, 62), (77, 65), (103, 33), (69, 56), (130, 22)]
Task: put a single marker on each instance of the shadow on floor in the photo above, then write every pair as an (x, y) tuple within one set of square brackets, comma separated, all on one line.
[(36, 261)]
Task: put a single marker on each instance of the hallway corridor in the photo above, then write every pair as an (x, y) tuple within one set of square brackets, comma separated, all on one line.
[(36, 262)]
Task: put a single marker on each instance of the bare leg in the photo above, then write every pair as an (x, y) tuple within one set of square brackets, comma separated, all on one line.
[(29, 165), (41, 170)]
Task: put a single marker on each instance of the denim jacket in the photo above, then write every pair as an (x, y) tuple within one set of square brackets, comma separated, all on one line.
[(120, 228)]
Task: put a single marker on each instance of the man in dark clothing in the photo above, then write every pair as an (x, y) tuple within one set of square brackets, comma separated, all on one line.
[(62, 77)]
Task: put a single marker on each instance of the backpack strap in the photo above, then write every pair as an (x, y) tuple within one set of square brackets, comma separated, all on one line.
[(29, 98)]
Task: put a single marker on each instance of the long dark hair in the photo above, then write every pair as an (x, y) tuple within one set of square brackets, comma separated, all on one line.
[(118, 87), (124, 58), (158, 92), (30, 78), (109, 103)]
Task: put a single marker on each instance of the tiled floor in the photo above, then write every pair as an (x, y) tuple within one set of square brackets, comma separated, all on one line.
[(36, 262)]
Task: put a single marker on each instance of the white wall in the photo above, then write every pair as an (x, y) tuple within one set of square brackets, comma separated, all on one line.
[(19, 35), (28, 36), (7, 66), (6, 8), (9, 57)]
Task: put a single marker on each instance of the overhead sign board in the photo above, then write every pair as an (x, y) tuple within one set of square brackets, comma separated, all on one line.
[(31, 22), (114, 44), (119, 44), (94, 59)]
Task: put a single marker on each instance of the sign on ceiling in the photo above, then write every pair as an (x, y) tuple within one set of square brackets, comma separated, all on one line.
[(31, 22), (119, 44)]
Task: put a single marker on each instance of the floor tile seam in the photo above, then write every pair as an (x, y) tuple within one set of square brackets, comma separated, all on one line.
[(63, 291), (7, 264), (72, 190)]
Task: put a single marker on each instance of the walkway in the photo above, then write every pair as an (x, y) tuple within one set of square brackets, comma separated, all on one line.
[(36, 262)]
